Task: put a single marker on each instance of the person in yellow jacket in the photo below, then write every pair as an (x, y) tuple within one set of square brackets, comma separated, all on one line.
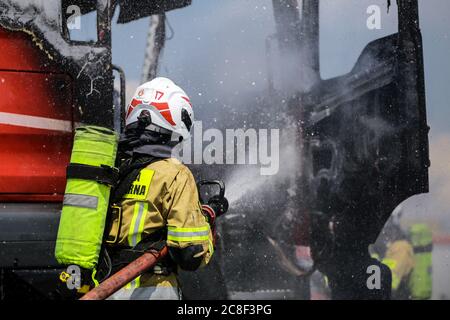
[(399, 258), (160, 201), (394, 250), (408, 256)]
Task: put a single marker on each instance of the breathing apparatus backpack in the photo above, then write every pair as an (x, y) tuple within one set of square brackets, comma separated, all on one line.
[(90, 176), (93, 188)]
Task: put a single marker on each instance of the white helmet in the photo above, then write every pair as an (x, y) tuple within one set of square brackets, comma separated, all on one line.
[(168, 105)]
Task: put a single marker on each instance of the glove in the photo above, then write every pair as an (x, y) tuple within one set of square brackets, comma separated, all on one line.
[(216, 207), (210, 215)]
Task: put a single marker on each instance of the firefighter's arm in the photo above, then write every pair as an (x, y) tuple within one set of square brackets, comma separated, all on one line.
[(189, 235), (400, 259)]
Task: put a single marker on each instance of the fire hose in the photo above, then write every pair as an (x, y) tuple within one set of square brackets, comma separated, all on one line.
[(125, 275)]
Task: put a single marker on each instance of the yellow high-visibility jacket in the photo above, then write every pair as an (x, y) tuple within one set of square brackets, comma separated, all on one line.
[(164, 195), (400, 259)]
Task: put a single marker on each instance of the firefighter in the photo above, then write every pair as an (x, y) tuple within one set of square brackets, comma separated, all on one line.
[(408, 255), (400, 259), (157, 196)]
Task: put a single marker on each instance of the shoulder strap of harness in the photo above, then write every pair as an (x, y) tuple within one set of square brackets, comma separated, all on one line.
[(128, 173)]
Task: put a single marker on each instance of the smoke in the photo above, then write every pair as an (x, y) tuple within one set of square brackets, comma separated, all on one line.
[(218, 55), (246, 182), (130, 89), (220, 65), (344, 32), (377, 125)]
